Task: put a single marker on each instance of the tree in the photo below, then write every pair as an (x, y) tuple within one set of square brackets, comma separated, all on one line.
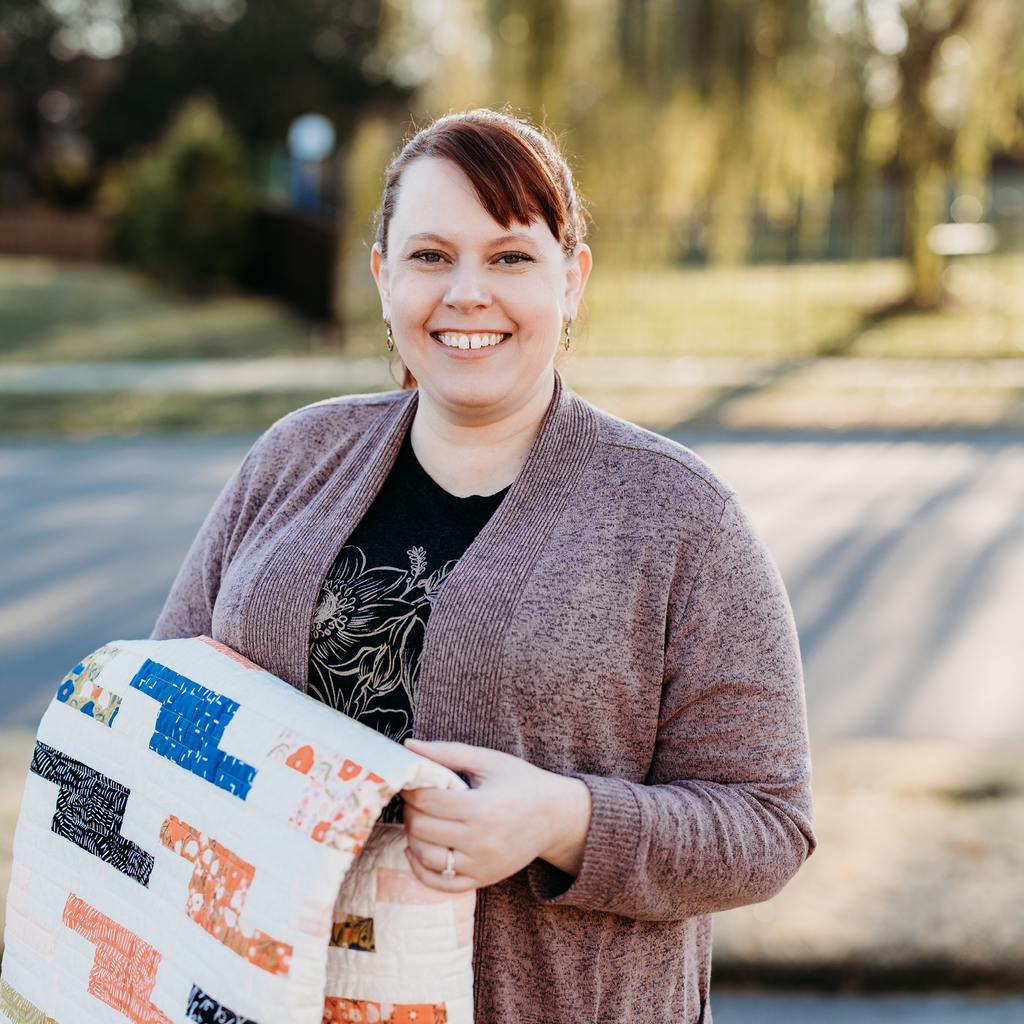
[(109, 76), (944, 91)]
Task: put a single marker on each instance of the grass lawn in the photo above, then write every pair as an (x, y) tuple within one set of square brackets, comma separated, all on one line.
[(805, 310), (71, 312), (77, 312)]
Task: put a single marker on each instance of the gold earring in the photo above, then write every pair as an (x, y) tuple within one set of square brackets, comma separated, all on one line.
[(567, 323), (391, 338)]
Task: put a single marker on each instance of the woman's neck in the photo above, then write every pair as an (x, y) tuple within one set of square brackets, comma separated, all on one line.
[(481, 457)]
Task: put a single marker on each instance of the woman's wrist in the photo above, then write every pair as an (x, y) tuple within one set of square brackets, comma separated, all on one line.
[(569, 812)]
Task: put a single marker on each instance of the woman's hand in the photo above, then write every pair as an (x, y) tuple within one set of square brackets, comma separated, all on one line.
[(513, 814)]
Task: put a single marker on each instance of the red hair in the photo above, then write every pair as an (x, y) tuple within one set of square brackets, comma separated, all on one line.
[(519, 175)]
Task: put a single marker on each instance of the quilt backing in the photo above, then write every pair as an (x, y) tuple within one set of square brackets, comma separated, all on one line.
[(197, 844)]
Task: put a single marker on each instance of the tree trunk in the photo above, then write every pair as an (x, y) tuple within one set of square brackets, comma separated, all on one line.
[(924, 196)]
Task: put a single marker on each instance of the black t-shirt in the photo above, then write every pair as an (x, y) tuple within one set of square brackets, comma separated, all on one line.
[(367, 635)]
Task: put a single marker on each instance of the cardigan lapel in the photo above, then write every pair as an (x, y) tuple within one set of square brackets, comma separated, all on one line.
[(278, 630), (456, 697)]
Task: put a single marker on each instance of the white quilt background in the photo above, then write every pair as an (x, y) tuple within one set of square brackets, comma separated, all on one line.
[(87, 942)]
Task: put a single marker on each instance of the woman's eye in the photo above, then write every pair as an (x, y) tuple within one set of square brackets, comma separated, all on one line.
[(428, 257), (512, 258)]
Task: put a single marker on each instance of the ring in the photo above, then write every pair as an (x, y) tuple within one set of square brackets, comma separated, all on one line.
[(449, 869)]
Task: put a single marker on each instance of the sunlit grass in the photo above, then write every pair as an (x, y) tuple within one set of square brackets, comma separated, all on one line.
[(775, 312), (68, 312), (767, 311), (79, 312)]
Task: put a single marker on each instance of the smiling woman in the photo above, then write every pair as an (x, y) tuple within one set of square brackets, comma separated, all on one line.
[(571, 611)]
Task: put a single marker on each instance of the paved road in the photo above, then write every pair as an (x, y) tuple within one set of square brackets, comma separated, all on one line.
[(93, 533), (903, 559), (765, 1009)]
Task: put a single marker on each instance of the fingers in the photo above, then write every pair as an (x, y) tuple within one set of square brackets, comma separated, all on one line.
[(423, 826), (449, 804), (429, 876), (459, 757)]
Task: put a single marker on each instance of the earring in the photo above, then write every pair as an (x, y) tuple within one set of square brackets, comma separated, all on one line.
[(567, 323), (391, 338)]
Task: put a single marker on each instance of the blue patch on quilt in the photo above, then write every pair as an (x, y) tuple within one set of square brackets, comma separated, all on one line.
[(90, 812), (189, 727)]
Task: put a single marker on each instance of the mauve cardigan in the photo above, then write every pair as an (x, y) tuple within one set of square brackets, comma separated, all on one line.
[(617, 619)]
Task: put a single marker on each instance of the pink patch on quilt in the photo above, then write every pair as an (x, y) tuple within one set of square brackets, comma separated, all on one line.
[(342, 799), (25, 929), (397, 886), (229, 653)]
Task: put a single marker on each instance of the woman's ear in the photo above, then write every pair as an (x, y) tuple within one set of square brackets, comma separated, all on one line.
[(379, 267), (578, 270)]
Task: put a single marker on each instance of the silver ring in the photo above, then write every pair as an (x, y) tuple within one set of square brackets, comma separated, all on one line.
[(449, 869)]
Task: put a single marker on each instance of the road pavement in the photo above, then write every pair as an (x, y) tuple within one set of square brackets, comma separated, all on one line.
[(734, 1008), (902, 555)]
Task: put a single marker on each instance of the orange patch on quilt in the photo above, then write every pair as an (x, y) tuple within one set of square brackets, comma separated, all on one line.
[(216, 896), (229, 653), (338, 1010), (124, 968)]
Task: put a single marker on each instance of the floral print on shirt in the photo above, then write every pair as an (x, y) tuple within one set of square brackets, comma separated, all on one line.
[(367, 638)]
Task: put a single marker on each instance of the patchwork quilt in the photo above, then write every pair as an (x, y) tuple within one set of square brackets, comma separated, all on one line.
[(197, 843)]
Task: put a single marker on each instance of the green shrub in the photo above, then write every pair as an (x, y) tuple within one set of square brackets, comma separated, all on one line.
[(181, 211)]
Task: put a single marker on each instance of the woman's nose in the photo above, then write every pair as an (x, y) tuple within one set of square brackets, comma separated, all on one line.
[(467, 289)]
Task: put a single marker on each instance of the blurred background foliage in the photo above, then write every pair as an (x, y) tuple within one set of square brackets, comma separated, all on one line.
[(718, 132), (181, 211)]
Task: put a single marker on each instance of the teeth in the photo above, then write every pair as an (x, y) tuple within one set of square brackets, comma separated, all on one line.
[(471, 340)]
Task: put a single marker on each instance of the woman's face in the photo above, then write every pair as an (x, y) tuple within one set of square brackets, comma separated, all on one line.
[(453, 277)]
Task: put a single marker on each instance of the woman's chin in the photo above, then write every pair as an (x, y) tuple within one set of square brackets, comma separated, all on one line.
[(483, 396)]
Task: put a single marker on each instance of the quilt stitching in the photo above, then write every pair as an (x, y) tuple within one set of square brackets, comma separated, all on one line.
[(14, 1006), (90, 812), (20, 925), (354, 933), (78, 688), (189, 727), (335, 804), (124, 967), (345, 1011), (205, 1009), (341, 800), (216, 896)]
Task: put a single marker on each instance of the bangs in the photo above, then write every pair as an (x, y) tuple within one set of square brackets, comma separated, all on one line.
[(511, 181)]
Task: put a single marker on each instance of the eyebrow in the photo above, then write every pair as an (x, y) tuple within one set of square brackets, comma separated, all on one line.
[(502, 240)]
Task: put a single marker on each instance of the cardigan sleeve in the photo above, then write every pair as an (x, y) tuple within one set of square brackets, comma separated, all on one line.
[(188, 610), (724, 816)]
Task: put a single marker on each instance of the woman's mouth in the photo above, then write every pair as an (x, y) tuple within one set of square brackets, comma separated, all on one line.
[(453, 339)]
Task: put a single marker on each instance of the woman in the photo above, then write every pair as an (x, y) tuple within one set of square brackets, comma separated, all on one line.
[(570, 610)]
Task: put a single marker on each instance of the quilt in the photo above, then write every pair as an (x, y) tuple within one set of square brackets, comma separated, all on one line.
[(198, 843)]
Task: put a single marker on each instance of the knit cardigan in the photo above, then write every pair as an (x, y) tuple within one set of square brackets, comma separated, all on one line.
[(618, 620)]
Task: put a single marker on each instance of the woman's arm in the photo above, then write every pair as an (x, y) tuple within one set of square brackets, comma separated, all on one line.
[(188, 610), (724, 816)]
